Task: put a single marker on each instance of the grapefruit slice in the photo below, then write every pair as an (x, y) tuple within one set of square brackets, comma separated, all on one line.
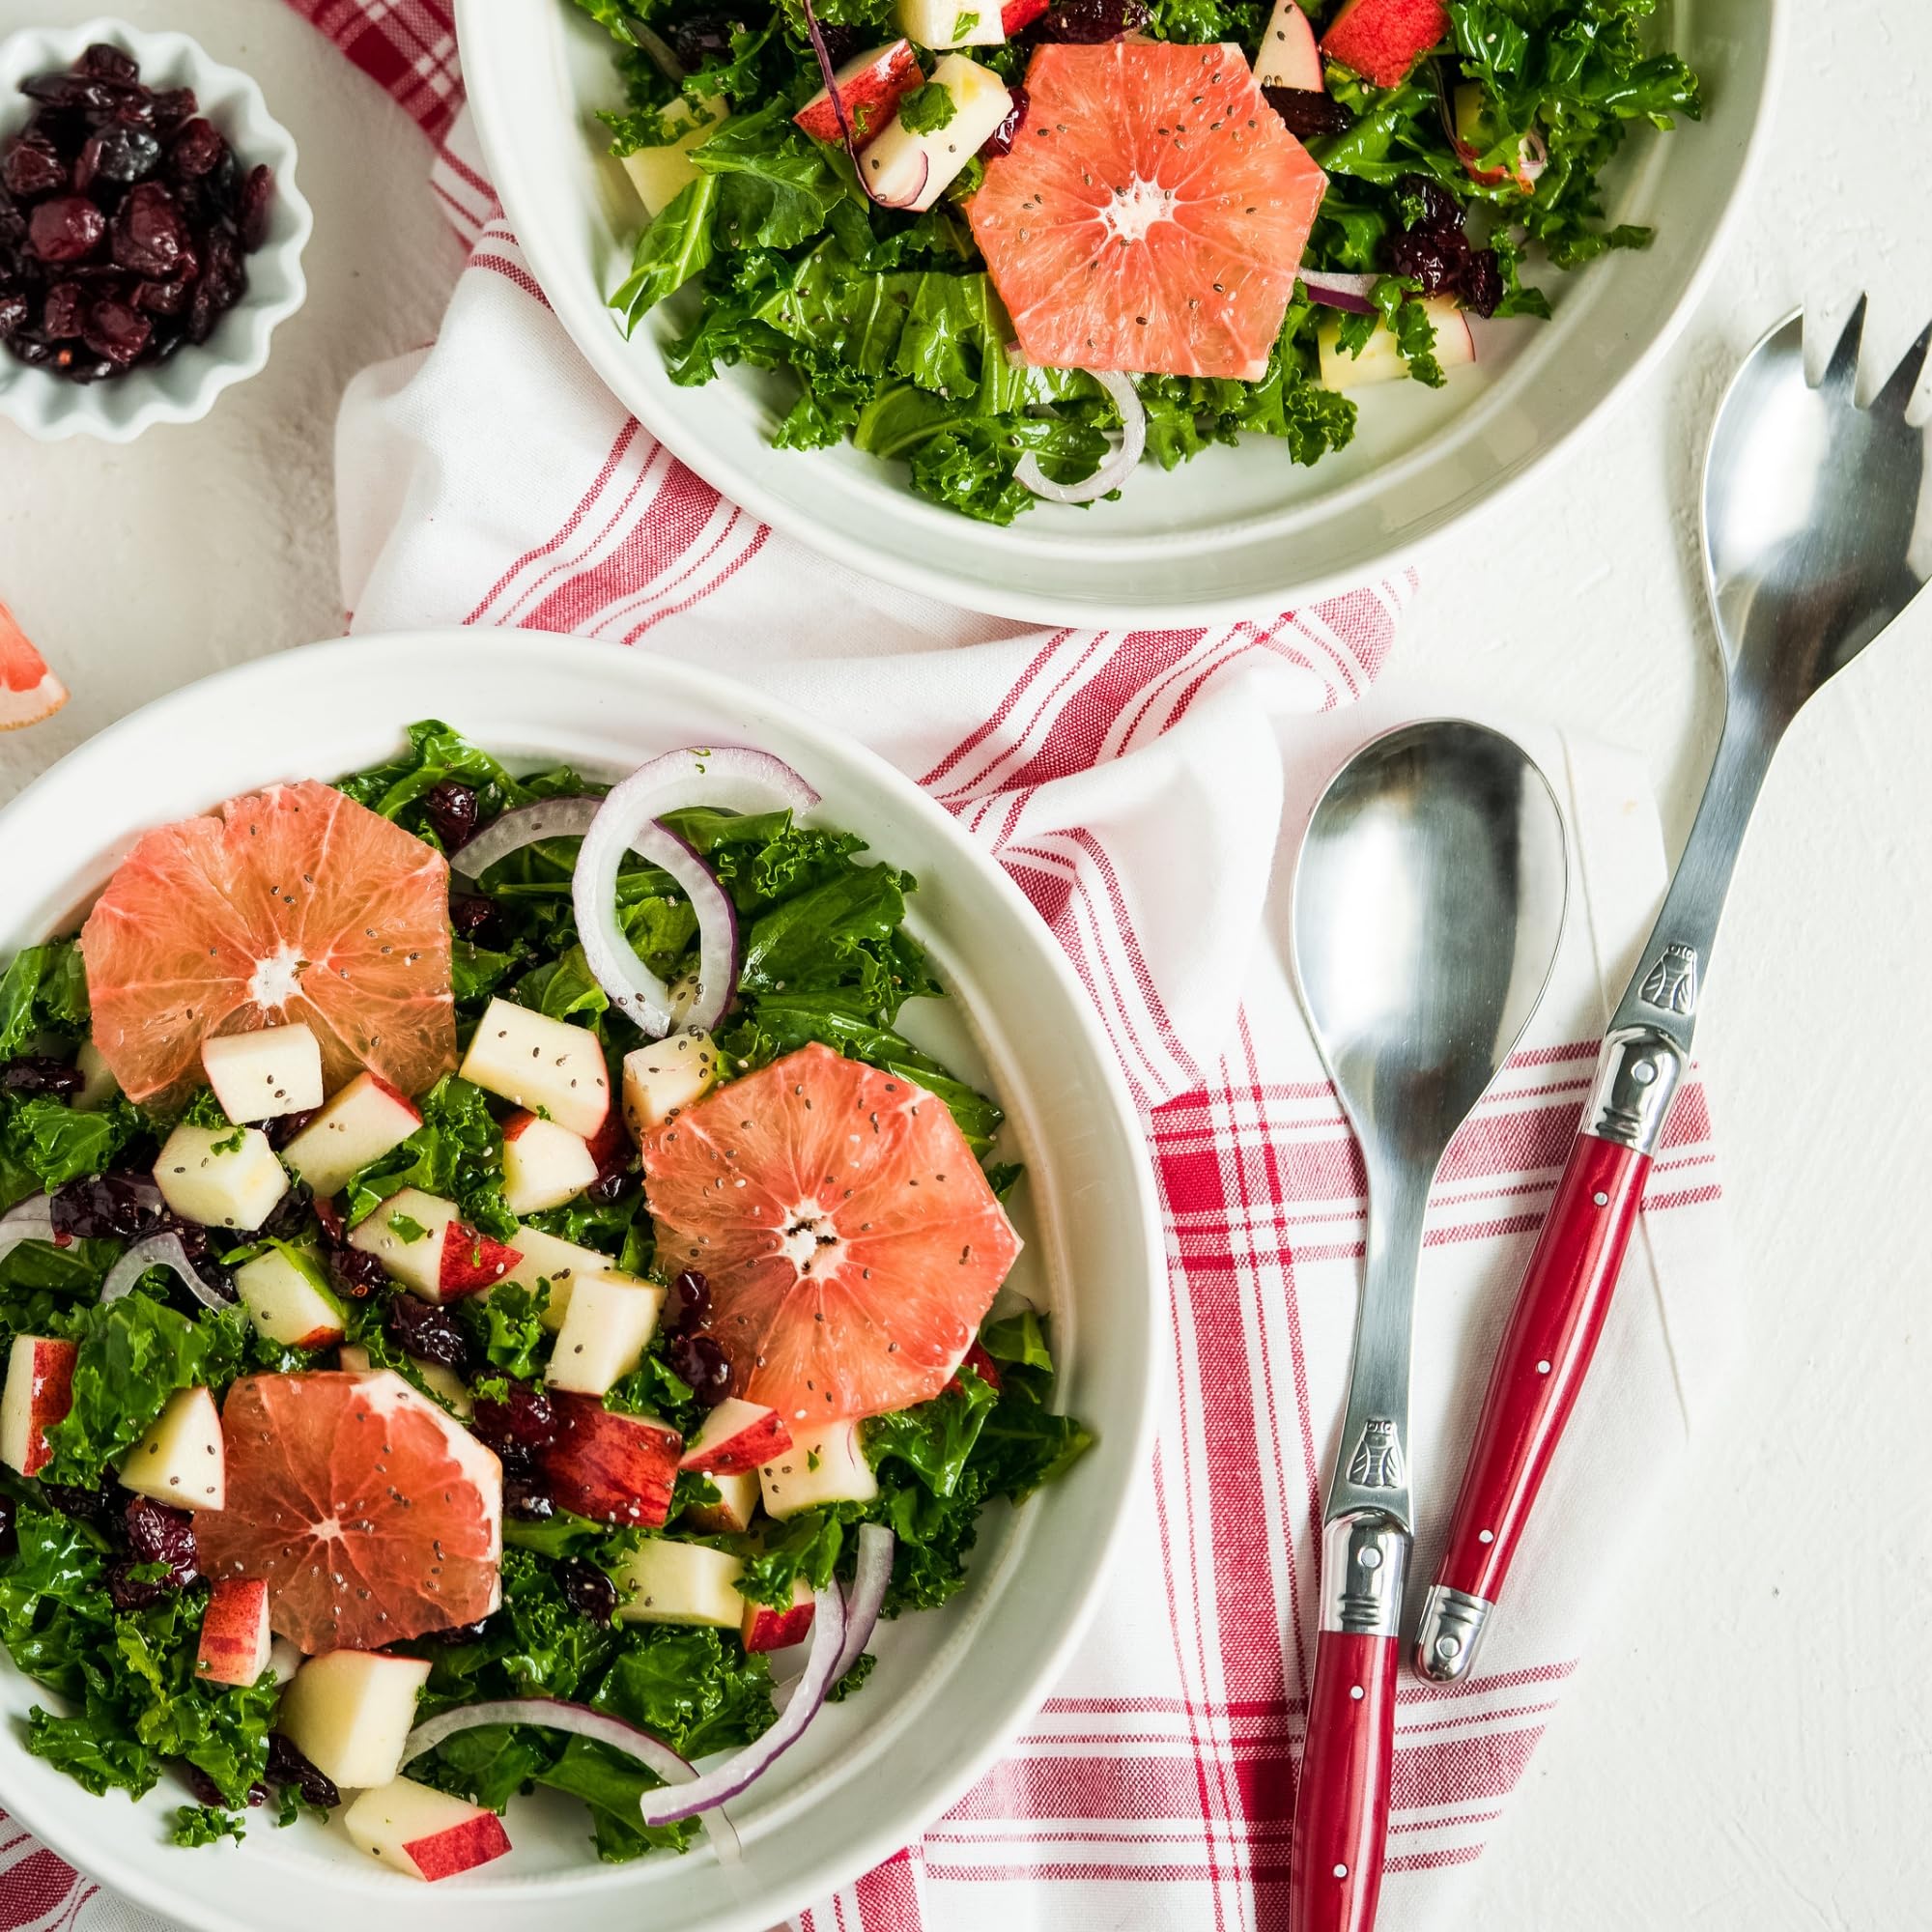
[(849, 1240), (370, 1513), (28, 690), (1152, 213), (292, 905)]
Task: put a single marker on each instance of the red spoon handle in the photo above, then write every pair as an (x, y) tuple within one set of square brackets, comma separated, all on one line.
[(1545, 1355), (1342, 1800)]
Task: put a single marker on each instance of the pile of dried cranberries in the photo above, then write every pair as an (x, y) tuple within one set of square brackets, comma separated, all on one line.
[(124, 220)]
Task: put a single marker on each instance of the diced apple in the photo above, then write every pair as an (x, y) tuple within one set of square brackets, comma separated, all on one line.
[(348, 1711), (285, 1658), (1476, 133), (263, 1075), (1017, 15), (222, 1177), (544, 1165), (405, 1233), (735, 1437), (363, 1123), (471, 1262), (447, 1386), (665, 1075), (912, 170), (97, 1084), (610, 1467), (871, 86), (733, 1513), (606, 1330), (659, 175), (765, 1627), (1382, 40), (235, 1637), (669, 1582), (561, 1264), (829, 1467), (548, 1066), (953, 23), (1380, 360), (429, 1833), (289, 1300), (181, 1459), (39, 1393), (1289, 56), (353, 1360)]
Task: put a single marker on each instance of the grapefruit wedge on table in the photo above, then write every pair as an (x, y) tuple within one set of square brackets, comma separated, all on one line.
[(1152, 213), (28, 690), (849, 1240), (369, 1513), (291, 904)]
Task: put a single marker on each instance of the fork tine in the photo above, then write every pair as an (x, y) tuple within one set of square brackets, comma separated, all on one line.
[(1903, 382), (1843, 368)]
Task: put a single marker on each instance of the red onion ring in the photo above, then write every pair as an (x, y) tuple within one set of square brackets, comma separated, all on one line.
[(731, 777), (1118, 466), (548, 818), (863, 1603), (28, 1220), (738, 1773), (1532, 158), (557, 1714), (158, 1251), (908, 199), (1338, 291)]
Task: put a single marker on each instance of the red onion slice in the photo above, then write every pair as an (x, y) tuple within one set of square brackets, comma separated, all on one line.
[(910, 199), (1338, 291), (1532, 157), (28, 1220), (821, 1673), (863, 1601), (548, 818), (1113, 473), (732, 777), (158, 1251), (556, 1714)]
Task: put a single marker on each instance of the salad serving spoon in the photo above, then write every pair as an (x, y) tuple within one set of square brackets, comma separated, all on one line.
[(1817, 533), (1429, 901)]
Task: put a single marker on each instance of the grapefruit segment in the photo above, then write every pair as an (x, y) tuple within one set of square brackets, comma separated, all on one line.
[(290, 906), (1152, 214), (370, 1514), (28, 690), (850, 1242)]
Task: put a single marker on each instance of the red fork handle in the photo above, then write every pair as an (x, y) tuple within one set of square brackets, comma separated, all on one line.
[(1342, 1797), (1545, 1352)]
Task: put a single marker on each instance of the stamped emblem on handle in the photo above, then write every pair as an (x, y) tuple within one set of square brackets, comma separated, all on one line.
[(1672, 984), (1377, 1464)]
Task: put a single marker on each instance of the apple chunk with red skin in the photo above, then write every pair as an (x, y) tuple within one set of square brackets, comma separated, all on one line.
[(872, 85), (733, 1513), (610, 1467), (1289, 56), (427, 1833), (235, 1636), (363, 1123), (1017, 15), (1382, 40), (39, 1392), (735, 1437), (774, 1627)]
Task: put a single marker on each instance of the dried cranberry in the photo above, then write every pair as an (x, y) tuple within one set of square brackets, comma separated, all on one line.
[(701, 40), (287, 1765), (1088, 22), (1001, 141), (195, 150), (150, 235), (31, 348), (476, 919), (117, 331), (284, 1128), (841, 42), (459, 1633), (691, 1302), (1437, 208), (701, 1362), (158, 1534), (523, 1418), (330, 1218), (67, 229), (123, 1207), (207, 1791), (355, 1273), (587, 1590), (1425, 259), (451, 810), (172, 106), (525, 1500), (13, 314), (429, 1332), (102, 62), (39, 1074), (258, 195), (289, 1217), (82, 94), (31, 167), (1482, 281), (1307, 112), (100, 1504), (118, 153)]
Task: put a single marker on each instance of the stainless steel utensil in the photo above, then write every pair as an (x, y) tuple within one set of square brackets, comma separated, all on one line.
[(1817, 533), (1428, 903)]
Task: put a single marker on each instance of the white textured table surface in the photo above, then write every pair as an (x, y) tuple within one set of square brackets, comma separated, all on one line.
[(1749, 1744)]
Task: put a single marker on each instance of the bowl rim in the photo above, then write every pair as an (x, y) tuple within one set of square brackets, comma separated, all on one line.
[(602, 348), (356, 665), (74, 409)]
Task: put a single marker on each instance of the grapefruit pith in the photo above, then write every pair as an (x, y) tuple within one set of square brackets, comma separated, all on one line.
[(291, 904), (28, 690), (849, 1240), (368, 1512), (1152, 213)]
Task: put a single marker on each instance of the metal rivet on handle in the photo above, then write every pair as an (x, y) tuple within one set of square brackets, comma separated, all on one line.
[(1448, 1646), (1643, 1072), (1542, 1368), (1355, 1691), (1370, 1559), (1340, 1871), (1602, 1199)]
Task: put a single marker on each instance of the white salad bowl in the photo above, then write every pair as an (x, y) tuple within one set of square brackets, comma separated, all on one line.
[(1234, 532), (182, 389), (953, 1685)]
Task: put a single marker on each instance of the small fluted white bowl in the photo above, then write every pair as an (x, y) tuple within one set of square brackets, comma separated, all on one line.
[(183, 387)]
